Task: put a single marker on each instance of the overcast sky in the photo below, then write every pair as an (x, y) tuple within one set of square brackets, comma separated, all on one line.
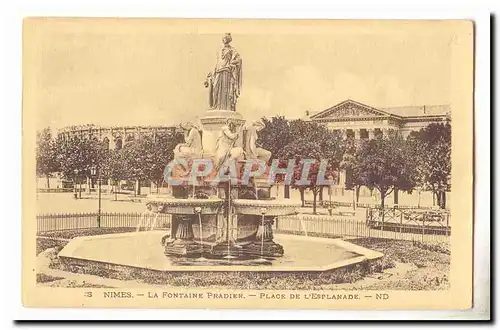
[(150, 76)]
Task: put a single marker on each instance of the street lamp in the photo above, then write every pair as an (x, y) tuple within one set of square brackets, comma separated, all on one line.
[(76, 176), (95, 172), (330, 191)]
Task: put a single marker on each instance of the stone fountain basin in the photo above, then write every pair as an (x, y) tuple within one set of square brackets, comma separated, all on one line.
[(272, 207), (171, 205)]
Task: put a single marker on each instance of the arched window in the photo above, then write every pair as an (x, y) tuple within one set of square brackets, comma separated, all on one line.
[(118, 144), (105, 143)]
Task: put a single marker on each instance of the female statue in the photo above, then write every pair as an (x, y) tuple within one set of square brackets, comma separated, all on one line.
[(224, 82)]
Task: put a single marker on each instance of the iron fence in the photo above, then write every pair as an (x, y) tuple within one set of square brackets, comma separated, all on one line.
[(68, 221), (326, 204), (436, 222), (328, 226), (325, 226), (55, 190)]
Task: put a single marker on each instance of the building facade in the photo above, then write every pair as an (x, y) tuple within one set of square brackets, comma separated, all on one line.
[(360, 121), (115, 136)]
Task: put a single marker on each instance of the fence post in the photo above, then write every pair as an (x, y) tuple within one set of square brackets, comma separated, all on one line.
[(383, 216), (423, 228), (401, 221), (447, 224)]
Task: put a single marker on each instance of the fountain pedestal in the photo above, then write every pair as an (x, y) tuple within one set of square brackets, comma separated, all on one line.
[(212, 123), (264, 212), (182, 240), (264, 245)]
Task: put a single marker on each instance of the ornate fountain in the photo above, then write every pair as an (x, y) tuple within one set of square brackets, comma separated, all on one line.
[(221, 216), (214, 217)]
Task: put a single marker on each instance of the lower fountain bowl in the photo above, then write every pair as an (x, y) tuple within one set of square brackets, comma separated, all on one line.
[(188, 206), (270, 207)]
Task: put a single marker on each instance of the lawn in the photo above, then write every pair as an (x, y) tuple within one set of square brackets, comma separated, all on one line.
[(430, 263), (406, 265)]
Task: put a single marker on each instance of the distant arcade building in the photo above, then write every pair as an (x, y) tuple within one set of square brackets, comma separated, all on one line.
[(115, 136)]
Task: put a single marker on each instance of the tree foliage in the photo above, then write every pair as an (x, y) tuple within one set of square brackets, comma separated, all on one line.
[(46, 154), (315, 142), (78, 155), (385, 164), (275, 135), (432, 149), (146, 156)]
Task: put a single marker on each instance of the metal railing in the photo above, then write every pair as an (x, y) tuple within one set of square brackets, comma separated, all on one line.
[(323, 226), (325, 203), (331, 226), (436, 222), (68, 221)]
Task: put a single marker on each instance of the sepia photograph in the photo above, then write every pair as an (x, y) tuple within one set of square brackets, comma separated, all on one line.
[(202, 163)]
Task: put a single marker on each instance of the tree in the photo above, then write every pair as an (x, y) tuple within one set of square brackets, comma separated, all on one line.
[(432, 149), (275, 135), (351, 164), (46, 156), (146, 156), (113, 168), (76, 156), (386, 164), (317, 143)]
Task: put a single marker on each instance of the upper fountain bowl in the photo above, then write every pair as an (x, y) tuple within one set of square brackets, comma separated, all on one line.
[(271, 207), (163, 203)]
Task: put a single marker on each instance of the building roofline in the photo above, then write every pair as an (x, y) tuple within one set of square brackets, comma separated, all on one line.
[(383, 111), (74, 128)]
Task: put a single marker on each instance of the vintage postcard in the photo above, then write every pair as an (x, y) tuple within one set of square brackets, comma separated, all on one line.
[(227, 164)]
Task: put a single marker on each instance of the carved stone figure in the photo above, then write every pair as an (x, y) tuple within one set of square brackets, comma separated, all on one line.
[(224, 82), (226, 145), (192, 146), (252, 151)]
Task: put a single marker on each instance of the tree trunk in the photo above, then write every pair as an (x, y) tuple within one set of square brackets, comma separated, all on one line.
[(138, 183), (438, 197), (158, 186), (358, 188), (302, 196), (116, 190), (382, 202), (87, 186), (48, 181), (314, 200), (354, 199), (396, 196), (287, 191), (75, 187), (443, 199), (321, 194)]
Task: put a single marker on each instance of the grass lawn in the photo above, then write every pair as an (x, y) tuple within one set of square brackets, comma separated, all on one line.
[(406, 265), (430, 263)]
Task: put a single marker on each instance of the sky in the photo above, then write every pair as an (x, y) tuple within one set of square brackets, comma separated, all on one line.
[(152, 76)]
